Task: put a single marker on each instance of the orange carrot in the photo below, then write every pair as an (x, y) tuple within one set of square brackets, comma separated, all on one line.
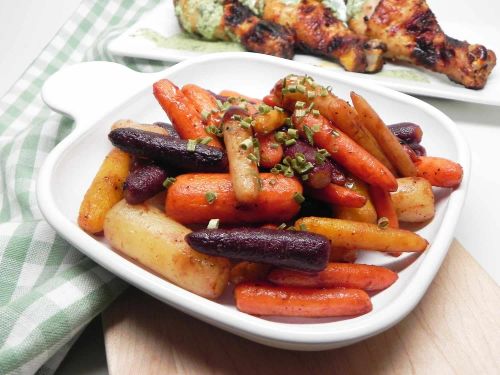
[(355, 235), (235, 94), (439, 172), (182, 112), (265, 299), (202, 100), (346, 152), (337, 275), (197, 198), (270, 100), (388, 142), (271, 152), (365, 214), (382, 201), (338, 195), (265, 123), (347, 120), (385, 208)]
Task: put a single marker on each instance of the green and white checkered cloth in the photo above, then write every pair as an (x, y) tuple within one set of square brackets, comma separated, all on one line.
[(48, 290)]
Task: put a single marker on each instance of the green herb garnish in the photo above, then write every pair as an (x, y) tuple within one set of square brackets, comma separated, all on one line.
[(168, 182), (299, 198), (213, 224), (210, 197)]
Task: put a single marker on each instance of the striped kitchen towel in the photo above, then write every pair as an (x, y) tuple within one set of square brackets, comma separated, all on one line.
[(48, 290)]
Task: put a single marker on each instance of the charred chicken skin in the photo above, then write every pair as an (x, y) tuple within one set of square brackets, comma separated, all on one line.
[(230, 20), (411, 32), (320, 32)]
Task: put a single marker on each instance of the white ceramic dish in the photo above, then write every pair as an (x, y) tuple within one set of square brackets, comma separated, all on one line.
[(408, 79), (98, 93)]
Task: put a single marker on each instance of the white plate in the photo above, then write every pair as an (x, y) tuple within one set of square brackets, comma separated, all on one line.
[(107, 92), (412, 80)]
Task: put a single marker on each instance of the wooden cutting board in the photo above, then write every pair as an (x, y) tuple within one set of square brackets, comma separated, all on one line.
[(454, 330)]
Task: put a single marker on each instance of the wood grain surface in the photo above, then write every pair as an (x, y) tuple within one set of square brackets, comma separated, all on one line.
[(454, 330)]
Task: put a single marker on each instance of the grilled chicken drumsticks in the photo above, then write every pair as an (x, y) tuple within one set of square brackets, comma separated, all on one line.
[(320, 32), (411, 32), (232, 21)]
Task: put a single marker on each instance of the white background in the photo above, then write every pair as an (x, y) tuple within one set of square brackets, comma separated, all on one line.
[(26, 26)]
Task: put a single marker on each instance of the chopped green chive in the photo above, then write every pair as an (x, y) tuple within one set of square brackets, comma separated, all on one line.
[(204, 141), (274, 145), (293, 133), (290, 142), (321, 156), (383, 222), (213, 224), (205, 114), (300, 104), (282, 226), (236, 117), (315, 112), (246, 144), (299, 198), (264, 108), (212, 129), (303, 227), (280, 137), (210, 197), (300, 112), (191, 145), (288, 172), (301, 89), (168, 182), (309, 134), (253, 158)]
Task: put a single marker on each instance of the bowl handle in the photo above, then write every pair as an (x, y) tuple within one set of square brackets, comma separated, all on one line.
[(87, 91)]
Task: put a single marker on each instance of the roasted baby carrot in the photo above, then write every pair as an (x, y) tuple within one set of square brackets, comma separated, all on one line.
[(203, 100), (265, 299), (270, 100), (364, 214), (271, 152), (345, 151), (386, 211), (268, 121), (105, 191), (181, 111), (337, 275), (197, 198), (387, 141), (382, 202), (347, 120), (242, 155), (439, 171), (363, 236), (338, 195)]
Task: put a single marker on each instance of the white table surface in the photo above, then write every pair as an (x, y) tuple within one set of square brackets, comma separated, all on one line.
[(26, 26)]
